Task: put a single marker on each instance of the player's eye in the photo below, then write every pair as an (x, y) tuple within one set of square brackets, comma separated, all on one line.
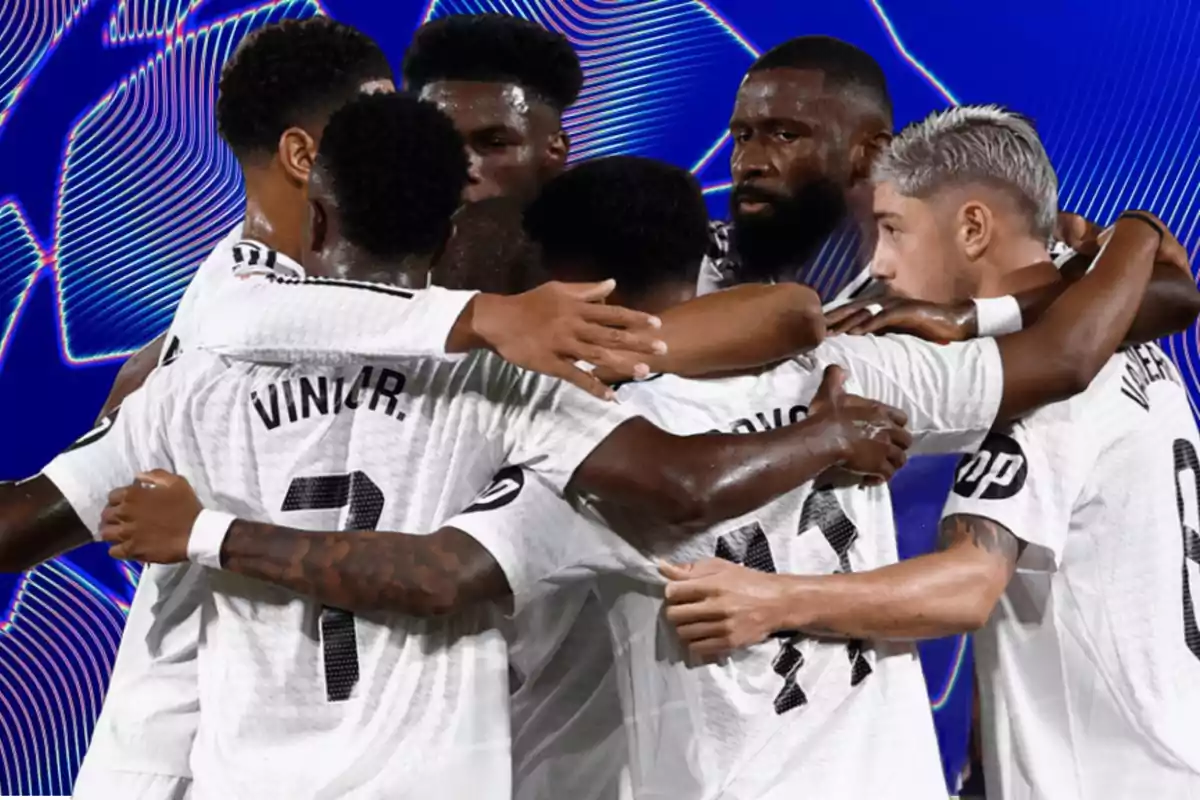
[(786, 136)]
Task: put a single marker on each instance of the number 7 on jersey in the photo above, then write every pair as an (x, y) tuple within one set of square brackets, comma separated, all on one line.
[(339, 644)]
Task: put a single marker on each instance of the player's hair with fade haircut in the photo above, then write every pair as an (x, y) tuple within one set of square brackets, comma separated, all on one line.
[(640, 221), (984, 144), (846, 68), (495, 48), (290, 73), (397, 169)]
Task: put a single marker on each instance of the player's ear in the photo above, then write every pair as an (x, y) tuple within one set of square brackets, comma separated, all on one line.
[(976, 225), (297, 150), (557, 150), (863, 153)]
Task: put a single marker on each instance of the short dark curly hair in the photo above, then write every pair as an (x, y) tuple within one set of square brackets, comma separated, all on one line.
[(291, 73), (846, 67), (495, 48), (397, 169), (641, 221)]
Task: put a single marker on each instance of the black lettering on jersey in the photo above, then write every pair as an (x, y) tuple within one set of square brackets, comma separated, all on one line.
[(503, 489), (996, 471), (305, 397), (103, 426), (762, 422), (749, 546), (1145, 365)]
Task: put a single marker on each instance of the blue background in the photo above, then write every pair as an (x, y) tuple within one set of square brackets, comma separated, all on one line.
[(113, 186)]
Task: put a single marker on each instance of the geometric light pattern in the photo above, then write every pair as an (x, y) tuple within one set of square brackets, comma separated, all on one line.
[(113, 186)]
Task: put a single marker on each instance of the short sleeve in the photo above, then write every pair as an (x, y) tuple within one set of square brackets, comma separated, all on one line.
[(127, 441), (950, 392), (551, 426), (538, 538), (1028, 477)]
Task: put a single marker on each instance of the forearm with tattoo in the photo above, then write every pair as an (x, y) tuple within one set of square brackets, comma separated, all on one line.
[(440, 573), (948, 592)]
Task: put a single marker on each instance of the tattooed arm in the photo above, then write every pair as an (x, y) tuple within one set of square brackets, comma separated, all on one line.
[(368, 570), (421, 575), (718, 607), (947, 592)]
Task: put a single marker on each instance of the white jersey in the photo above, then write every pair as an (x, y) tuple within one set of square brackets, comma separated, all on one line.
[(568, 737), (1090, 665), (148, 720), (152, 726), (829, 720)]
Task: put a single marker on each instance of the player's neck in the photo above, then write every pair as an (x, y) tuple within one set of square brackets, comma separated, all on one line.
[(274, 213), (408, 272), (1016, 267)]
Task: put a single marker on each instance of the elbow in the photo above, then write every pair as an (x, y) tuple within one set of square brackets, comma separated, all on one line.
[(975, 613), (684, 501), (805, 318)]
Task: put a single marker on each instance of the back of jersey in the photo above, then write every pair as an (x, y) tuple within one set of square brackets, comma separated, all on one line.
[(303, 701), (793, 715), (1090, 665)]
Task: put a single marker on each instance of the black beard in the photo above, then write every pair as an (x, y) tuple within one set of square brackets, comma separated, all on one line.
[(773, 244)]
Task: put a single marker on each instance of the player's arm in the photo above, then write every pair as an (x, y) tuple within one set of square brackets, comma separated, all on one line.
[(59, 509), (37, 523), (133, 374), (158, 519), (736, 329), (1059, 356), (270, 317), (718, 606), (695, 481), (1170, 305), (953, 394)]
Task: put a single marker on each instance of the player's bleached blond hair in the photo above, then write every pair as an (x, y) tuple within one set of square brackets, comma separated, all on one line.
[(975, 144)]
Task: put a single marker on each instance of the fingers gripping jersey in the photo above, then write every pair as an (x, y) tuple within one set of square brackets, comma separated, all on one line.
[(1090, 665), (396, 447), (831, 720)]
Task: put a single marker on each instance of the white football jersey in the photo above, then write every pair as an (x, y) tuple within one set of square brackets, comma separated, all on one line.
[(1089, 668), (300, 701), (568, 737), (148, 719), (829, 720)]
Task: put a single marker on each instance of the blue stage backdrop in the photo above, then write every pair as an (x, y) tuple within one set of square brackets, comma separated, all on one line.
[(113, 185)]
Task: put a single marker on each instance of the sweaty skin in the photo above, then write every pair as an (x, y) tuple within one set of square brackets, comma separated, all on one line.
[(514, 141)]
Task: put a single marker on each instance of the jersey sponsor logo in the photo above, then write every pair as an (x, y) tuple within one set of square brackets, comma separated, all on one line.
[(503, 489), (996, 471)]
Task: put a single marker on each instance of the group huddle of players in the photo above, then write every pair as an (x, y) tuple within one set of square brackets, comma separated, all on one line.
[(392, 551)]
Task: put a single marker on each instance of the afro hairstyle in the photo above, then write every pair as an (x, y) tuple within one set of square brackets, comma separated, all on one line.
[(290, 73), (495, 48), (640, 221), (397, 169), (846, 67)]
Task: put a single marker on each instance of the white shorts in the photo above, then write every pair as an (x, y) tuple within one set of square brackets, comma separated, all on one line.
[(98, 783)]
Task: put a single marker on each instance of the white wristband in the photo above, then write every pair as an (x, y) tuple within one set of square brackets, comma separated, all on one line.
[(208, 534), (996, 316)]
